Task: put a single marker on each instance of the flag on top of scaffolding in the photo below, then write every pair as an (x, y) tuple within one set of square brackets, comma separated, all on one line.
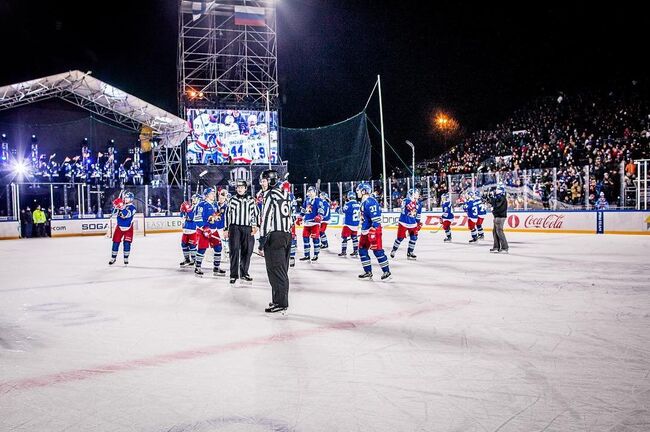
[(249, 15)]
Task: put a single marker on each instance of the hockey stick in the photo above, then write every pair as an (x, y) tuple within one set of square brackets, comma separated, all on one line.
[(437, 227)]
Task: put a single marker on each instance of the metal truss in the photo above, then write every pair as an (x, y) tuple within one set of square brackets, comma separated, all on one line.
[(223, 65), (101, 99), (168, 165)]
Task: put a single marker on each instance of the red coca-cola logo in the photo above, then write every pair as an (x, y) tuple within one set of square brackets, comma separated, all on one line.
[(513, 221), (552, 221)]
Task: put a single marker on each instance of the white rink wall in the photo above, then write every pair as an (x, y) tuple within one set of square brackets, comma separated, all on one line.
[(570, 222)]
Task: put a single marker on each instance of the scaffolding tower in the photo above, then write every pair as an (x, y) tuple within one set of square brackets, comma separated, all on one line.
[(224, 60)]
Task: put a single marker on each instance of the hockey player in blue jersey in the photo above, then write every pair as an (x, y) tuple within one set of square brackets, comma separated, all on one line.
[(481, 212), (325, 200), (188, 239), (447, 216), (371, 233), (409, 221), (311, 216), (207, 216), (472, 214), (222, 208), (295, 213), (124, 209), (350, 212)]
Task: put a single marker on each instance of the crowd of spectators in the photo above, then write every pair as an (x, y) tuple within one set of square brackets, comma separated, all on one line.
[(604, 132)]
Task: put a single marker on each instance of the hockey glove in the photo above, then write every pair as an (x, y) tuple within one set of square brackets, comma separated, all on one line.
[(118, 203), (318, 218), (207, 232), (374, 234), (299, 221), (418, 228), (186, 207)]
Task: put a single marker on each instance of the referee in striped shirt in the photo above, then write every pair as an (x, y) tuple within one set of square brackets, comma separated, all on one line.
[(276, 224), (240, 229)]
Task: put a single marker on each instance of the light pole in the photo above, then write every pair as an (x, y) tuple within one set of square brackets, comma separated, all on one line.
[(413, 166)]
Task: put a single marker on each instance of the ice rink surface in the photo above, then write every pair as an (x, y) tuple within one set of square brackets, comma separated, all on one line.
[(554, 336)]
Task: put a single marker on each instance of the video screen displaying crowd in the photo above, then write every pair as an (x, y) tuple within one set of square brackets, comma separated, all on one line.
[(598, 130)]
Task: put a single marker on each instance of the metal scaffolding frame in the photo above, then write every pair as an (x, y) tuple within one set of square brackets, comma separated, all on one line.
[(113, 104), (168, 165), (226, 65)]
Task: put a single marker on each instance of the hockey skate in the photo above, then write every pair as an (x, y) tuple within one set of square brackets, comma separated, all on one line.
[(481, 236), (218, 272), (198, 272), (366, 276), (392, 253), (307, 258), (411, 256), (386, 276), (504, 251), (314, 259), (112, 261), (495, 250), (292, 262), (343, 254), (324, 246), (354, 254), (474, 240), (447, 240), (232, 281), (126, 261), (247, 278), (185, 263)]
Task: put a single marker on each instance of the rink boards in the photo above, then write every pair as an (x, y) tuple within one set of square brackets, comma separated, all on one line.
[(580, 222)]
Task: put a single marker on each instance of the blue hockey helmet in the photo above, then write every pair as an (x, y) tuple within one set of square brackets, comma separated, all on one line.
[(324, 195), (196, 198), (352, 195), (311, 189), (208, 191), (500, 190), (412, 192), (364, 188), (445, 198), (128, 196)]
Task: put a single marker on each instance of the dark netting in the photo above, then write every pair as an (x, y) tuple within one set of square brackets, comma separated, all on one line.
[(339, 152)]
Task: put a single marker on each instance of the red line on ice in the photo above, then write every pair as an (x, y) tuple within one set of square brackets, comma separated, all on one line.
[(162, 359)]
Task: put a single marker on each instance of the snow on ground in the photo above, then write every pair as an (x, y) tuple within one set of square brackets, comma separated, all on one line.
[(554, 336)]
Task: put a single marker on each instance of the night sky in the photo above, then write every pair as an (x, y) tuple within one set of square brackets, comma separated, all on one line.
[(478, 63)]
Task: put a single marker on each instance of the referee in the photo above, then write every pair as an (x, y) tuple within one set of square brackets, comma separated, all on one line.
[(240, 229), (276, 227)]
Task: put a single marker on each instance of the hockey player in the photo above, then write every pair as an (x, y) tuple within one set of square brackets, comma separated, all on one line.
[(350, 228), (472, 214), (311, 216), (409, 221), (325, 199), (294, 238), (124, 209), (206, 217), (222, 208), (188, 240), (371, 233), (447, 216), (481, 212)]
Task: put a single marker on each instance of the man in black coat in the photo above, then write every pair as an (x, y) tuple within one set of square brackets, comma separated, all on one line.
[(500, 213)]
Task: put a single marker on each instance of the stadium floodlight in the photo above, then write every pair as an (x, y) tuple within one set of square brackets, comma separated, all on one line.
[(19, 168)]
